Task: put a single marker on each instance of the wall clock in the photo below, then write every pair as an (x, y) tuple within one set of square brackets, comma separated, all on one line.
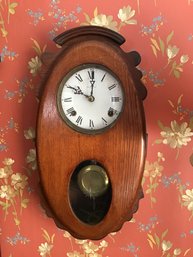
[(91, 134)]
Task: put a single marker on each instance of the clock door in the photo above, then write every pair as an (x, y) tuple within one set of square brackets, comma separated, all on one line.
[(90, 192)]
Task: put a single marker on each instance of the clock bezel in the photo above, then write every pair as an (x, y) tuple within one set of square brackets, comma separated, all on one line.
[(59, 104)]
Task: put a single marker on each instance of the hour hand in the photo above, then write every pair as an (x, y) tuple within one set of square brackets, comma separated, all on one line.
[(77, 91)]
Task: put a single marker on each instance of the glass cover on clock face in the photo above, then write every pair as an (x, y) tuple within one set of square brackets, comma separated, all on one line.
[(90, 98)]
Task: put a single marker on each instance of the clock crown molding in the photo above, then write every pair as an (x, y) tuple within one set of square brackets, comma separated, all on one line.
[(64, 37)]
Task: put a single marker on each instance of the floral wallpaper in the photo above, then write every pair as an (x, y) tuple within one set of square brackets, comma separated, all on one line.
[(162, 32)]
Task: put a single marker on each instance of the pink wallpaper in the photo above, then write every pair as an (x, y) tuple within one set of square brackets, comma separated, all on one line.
[(162, 32)]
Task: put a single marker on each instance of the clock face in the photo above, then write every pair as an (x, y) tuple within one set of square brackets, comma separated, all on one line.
[(90, 98)]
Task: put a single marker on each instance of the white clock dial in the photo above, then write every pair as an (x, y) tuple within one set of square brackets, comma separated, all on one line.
[(90, 98)]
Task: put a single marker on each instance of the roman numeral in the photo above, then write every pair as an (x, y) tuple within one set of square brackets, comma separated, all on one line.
[(91, 124), (67, 100), (112, 86), (71, 111), (115, 99), (91, 74), (103, 77), (79, 120), (79, 77), (104, 121)]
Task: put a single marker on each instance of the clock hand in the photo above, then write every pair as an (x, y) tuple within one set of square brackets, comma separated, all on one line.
[(91, 74), (92, 86), (77, 91)]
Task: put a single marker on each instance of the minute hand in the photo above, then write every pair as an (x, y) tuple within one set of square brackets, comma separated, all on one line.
[(92, 86)]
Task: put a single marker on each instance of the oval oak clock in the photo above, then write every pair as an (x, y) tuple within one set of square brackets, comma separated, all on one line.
[(91, 133)]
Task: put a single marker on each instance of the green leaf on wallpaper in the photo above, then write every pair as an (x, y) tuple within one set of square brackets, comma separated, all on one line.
[(17, 221), (143, 181), (154, 50), (158, 141), (155, 185), (171, 104), (148, 191), (164, 234), (14, 213), (24, 203), (151, 238), (87, 17), (162, 45), (174, 64), (155, 43), (169, 37), (191, 159), (4, 32), (36, 47), (157, 240), (95, 12), (12, 7), (180, 99), (46, 235), (176, 74), (191, 123), (5, 205), (153, 199), (160, 125), (187, 251), (168, 255), (52, 238), (150, 243)]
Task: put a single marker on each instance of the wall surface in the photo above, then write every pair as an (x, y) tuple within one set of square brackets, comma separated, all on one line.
[(162, 32)]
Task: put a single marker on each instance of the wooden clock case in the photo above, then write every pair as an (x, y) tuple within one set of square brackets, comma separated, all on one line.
[(121, 149)]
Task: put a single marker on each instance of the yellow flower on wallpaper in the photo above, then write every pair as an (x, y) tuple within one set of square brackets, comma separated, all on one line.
[(104, 21), (125, 14), (87, 248), (153, 169), (184, 58), (19, 181), (188, 199), (177, 251), (44, 249), (172, 51), (31, 159), (101, 20), (163, 47), (5, 172), (90, 247), (30, 133), (8, 161), (7, 192), (166, 245), (176, 136), (12, 190), (34, 65)]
